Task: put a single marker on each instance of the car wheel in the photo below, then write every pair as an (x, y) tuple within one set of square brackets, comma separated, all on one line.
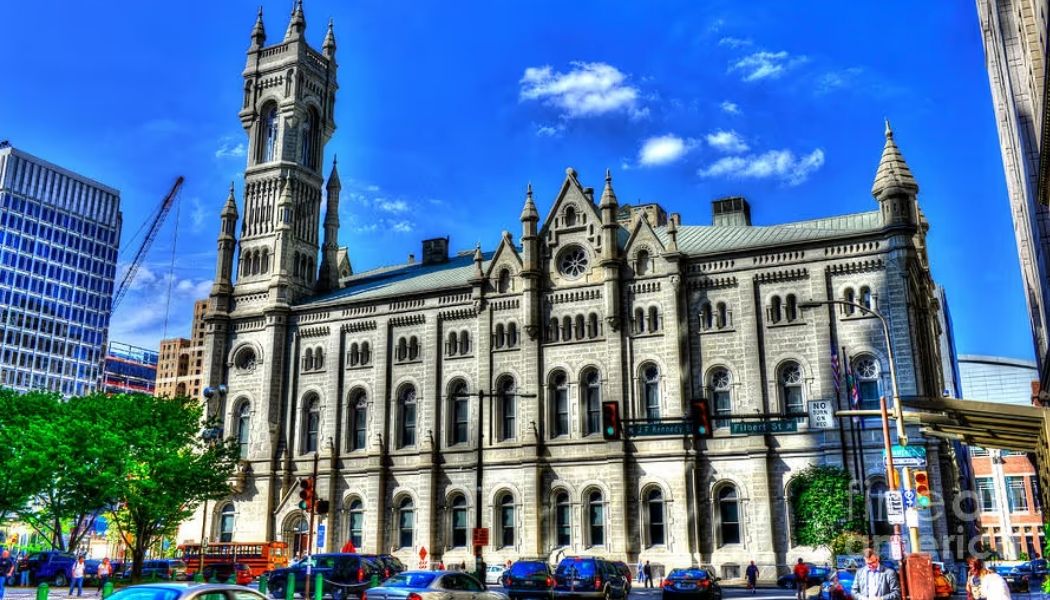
[(277, 590), (606, 595), (61, 581)]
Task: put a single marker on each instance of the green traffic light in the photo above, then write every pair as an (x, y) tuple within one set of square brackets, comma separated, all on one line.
[(610, 431), (924, 502), (302, 505)]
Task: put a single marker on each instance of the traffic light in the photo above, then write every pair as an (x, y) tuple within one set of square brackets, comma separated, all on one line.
[(322, 507), (700, 419), (922, 489), (306, 494), (610, 420)]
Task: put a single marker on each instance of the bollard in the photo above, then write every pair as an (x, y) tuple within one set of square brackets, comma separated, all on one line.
[(318, 587), (289, 590), (263, 584), (42, 591), (107, 590), (374, 581), (198, 577), (232, 579)]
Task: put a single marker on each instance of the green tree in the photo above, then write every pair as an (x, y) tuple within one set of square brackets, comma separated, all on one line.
[(21, 480), (169, 470), (824, 506)]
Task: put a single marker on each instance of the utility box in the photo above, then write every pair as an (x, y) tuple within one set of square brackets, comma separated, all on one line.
[(918, 570)]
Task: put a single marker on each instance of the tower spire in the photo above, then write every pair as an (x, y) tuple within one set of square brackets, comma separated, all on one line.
[(608, 195), (528, 212), (328, 48), (893, 175), (297, 25), (329, 276), (258, 32)]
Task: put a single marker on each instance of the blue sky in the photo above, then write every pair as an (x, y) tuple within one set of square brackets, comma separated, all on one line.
[(447, 109)]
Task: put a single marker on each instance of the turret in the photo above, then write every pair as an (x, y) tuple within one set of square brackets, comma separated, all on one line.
[(895, 187), (297, 24), (328, 47), (609, 207), (258, 33), (329, 277), (529, 219), (226, 246)]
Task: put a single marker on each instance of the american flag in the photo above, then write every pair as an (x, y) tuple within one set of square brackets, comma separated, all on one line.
[(835, 366), (851, 383)]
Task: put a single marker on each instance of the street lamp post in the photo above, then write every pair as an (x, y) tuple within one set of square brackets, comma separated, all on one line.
[(902, 436)]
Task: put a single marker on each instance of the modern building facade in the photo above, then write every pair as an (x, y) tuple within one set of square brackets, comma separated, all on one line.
[(129, 369), (464, 391), (1011, 518), (180, 366), (60, 235), (1015, 46)]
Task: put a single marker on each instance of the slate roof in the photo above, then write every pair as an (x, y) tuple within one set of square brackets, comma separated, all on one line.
[(404, 279)]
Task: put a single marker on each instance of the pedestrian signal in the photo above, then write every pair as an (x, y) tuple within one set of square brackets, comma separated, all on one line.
[(610, 420), (922, 489), (306, 494)]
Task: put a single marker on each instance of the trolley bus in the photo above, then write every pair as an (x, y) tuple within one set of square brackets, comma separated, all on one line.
[(223, 558)]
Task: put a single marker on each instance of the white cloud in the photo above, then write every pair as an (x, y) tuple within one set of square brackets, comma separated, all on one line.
[(730, 107), (734, 42), (548, 130), (227, 149), (832, 80), (775, 164), (401, 226), (729, 142), (197, 215), (662, 150), (765, 65), (589, 89), (391, 206)]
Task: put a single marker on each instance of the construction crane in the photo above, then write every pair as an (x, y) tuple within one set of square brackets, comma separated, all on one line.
[(151, 234)]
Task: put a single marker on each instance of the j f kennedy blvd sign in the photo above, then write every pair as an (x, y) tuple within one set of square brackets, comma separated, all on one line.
[(907, 456), (647, 429)]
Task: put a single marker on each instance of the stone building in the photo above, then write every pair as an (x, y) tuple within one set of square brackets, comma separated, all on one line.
[(465, 390)]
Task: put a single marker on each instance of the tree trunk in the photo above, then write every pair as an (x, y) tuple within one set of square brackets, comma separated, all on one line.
[(58, 542)]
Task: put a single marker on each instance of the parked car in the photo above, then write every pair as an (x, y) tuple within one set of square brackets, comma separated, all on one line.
[(817, 575), (167, 569), (585, 577), (432, 585), (690, 584), (48, 567), (345, 575), (838, 585), (529, 579), (625, 571), (390, 565), (494, 575), (186, 591), (1019, 577), (223, 572)]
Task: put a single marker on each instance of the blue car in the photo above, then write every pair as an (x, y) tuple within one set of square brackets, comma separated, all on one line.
[(838, 585)]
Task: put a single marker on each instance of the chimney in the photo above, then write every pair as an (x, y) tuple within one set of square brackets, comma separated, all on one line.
[(731, 212), (411, 258), (435, 251), (589, 193)]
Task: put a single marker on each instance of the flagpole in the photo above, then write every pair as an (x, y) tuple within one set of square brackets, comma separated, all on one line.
[(836, 369), (855, 436)]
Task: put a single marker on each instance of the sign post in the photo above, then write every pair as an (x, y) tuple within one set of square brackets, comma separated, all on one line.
[(896, 550), (821, 414), (894, 507), (422, 557), (907, 456)]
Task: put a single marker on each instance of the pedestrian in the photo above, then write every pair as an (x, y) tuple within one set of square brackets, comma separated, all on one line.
[(751, 574), (76, 581), (647, 571), (641, 571), (875, 581), (801, 572), (985, 584), (104, 571), (24, 571), (7, 569)]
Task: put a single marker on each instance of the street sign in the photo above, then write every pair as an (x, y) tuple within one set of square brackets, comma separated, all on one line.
[(896, 547), (821, 414), (894, 507), (763, 427), (647, 429), (320, 535), (481, 536), (909, 498), (907, 456), (422, 553), (911, 516)]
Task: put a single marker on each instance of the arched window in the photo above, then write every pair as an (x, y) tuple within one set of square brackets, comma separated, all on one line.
[(506, 521), (720, 383), (728, 516), (318, 358), (706, 316), (639, 320), (866, 373), (358, 421), (296, 532), (311, 424), (355, 355), (592, 402), (512, 335), (592, 326), (562, 520), (566, 328), (406, 523), (501, 336), (775, 312), (654, 320), (560, 404), (459, 521), (460, 411), (654, 508), (849, 296), (791, 395), (552, 330), (307, 141), (570, 216), (723, 316), (791, 310), (402, 349), (508, 410), (244, 415), (865, 297), (356, 523), (269, 135), (651, 392), (366, 355), (452, 348), (464, 342), (407, 403), (413, 348), (226, 523), (880, 524), (265, 266), (641, 263), (503, 283), (595, 519), (581, 329)]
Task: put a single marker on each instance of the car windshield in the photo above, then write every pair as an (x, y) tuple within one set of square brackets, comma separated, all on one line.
[(527, 569), (687, 574), (575, 567), (410, 580), (145, 593)]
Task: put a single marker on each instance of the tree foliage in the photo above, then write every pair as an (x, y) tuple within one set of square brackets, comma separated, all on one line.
[(824, 506)]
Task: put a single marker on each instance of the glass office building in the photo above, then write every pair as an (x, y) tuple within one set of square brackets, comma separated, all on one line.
[(130, 369), (59, 235)]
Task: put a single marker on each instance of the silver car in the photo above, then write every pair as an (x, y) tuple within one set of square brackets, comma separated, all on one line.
[(187, 591), (432, 585)]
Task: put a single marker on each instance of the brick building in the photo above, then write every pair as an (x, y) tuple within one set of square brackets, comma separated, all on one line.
[(180, 368)]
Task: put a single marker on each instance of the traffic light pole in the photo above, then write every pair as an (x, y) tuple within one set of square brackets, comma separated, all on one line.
[(310, 533), (913, 531)]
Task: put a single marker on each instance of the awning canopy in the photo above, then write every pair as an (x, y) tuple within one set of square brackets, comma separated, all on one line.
[(984, 424)]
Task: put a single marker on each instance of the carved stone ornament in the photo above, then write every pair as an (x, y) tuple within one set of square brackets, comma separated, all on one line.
[(614, 322), (676, 280), (532, 331), (479, 305)]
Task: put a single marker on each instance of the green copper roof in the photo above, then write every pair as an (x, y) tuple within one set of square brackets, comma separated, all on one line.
[(708, 239)]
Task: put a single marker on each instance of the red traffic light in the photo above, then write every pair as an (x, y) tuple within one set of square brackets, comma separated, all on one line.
[(610, 420), (922, 488), (700, 419), (306, 494)]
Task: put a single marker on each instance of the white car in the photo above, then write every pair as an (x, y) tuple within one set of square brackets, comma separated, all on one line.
[(494, 575)]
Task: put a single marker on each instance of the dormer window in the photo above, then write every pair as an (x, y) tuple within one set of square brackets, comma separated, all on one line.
[(570, 216)]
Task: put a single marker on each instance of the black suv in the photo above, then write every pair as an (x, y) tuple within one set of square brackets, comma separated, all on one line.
[(588, 578), (345, 575), (389, 565), (529, 579)]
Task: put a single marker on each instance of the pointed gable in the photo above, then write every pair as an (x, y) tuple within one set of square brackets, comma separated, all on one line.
[(572, 195)]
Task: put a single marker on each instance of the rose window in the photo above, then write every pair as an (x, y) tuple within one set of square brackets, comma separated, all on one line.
[(573, 262)]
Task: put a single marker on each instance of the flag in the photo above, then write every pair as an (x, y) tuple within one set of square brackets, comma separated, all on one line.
[(835, 366)]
